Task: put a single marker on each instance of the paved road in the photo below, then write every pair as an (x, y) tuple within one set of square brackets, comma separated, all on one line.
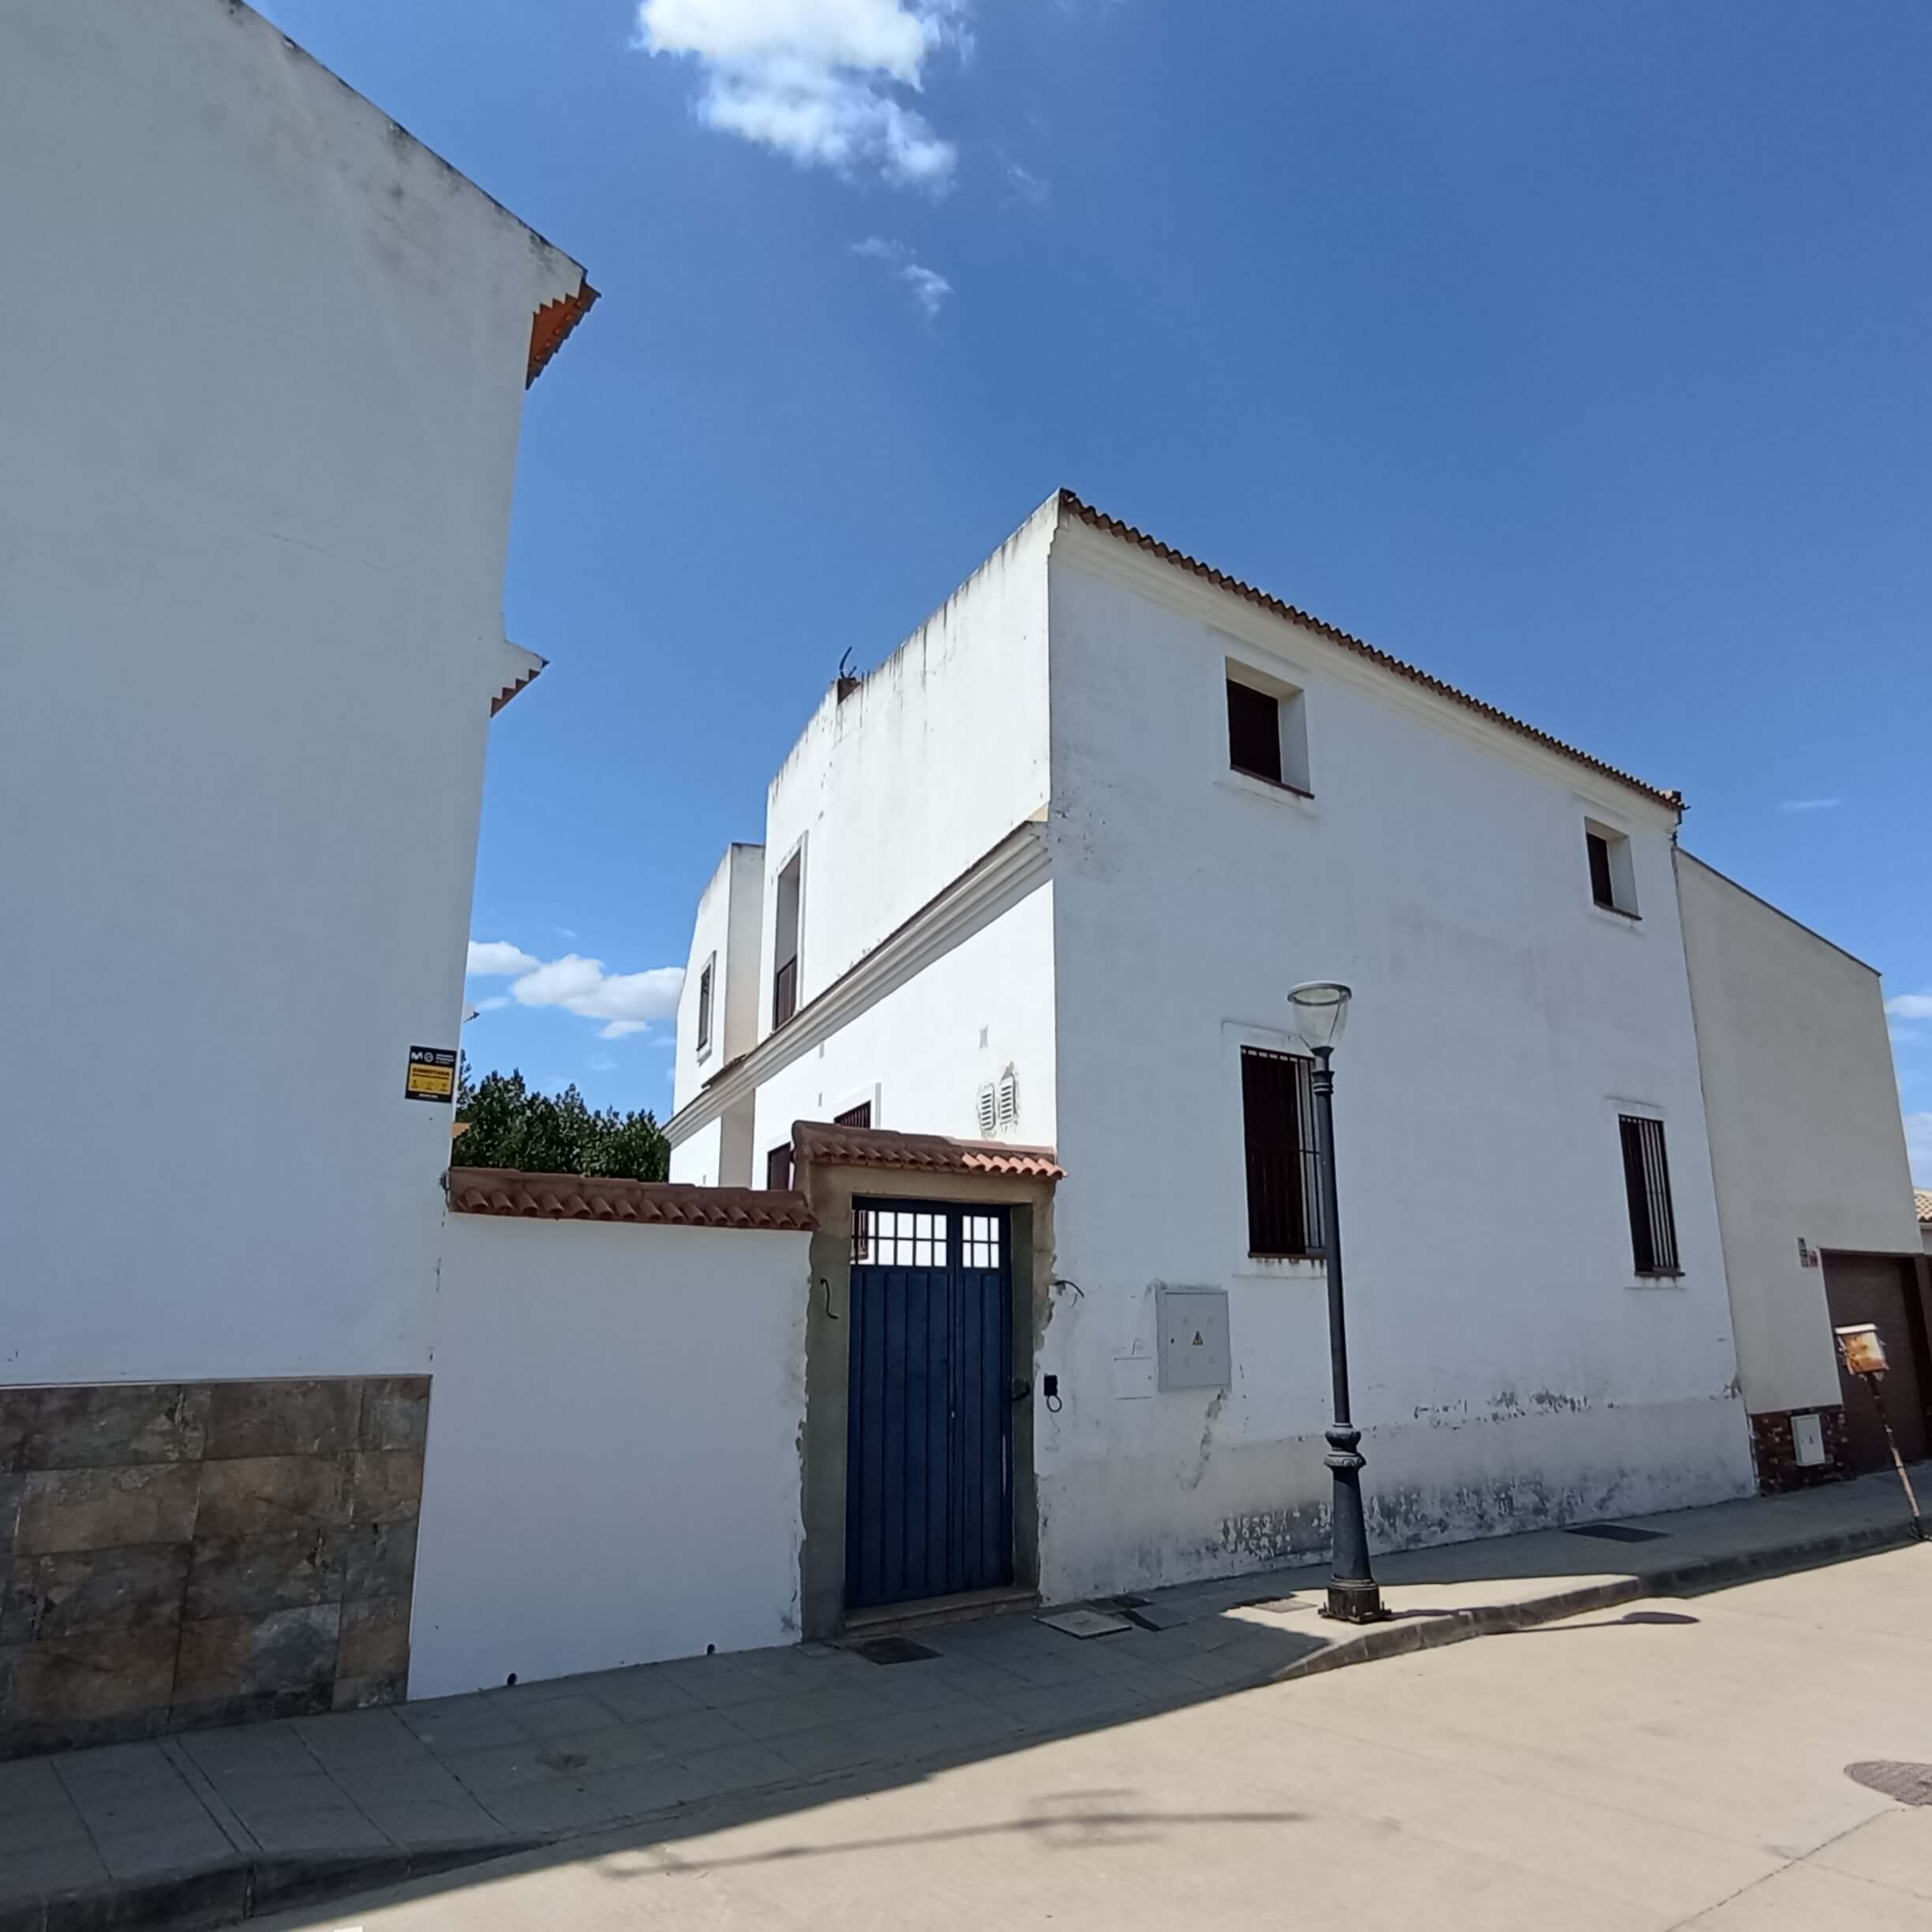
[(1680, 1764)]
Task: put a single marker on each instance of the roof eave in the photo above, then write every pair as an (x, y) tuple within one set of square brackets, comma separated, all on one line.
[(552, 325), (1071, 505)]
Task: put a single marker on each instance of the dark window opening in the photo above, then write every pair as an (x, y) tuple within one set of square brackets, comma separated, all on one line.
[(704, 1008), (859, 1116), (1284, 1161), (1603, 887), (778, 1165), (1254, 732), (1647, 1188), (784, 972)]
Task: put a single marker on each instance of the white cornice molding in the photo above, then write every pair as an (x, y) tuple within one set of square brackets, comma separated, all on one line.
[(991, 885)]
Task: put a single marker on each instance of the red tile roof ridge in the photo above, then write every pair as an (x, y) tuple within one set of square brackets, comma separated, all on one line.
[(881, 1146), (1098, 519), (599, 1197), (552, 324)]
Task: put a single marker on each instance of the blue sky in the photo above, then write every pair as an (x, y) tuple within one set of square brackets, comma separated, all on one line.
[(1575, 352)]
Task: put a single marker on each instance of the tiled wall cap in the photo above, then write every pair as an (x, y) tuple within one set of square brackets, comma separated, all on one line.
[(582, 1197)]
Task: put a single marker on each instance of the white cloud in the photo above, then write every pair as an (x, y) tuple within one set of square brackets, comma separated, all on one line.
[(1810, 804), (494, 1004), (497, 959), (1027, 185), (930, 289), (1911, 1006), (627, 1002), (1919, 1145), (819, 81)]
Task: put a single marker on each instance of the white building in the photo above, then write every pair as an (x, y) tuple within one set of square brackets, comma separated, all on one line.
[(268, 357), (1048, 872), (1814, 1193)]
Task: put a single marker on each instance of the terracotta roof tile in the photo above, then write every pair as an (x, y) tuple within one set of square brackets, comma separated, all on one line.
[(876, 1147), (517, 684), (1923, 1197), (1114, 527), (551, 323), (581, 1197)]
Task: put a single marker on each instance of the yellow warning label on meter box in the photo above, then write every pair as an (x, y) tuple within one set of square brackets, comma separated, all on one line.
[(432, 1074)]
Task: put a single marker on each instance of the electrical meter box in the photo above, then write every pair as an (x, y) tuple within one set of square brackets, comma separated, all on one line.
[(1194, 1337)]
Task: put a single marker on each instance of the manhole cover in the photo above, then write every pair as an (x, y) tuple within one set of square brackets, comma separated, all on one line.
[(1614, 1532), (894, 1650), (1910, 1784), (1085, 1622)]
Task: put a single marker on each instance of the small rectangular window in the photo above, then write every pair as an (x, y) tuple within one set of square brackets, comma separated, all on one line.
[(1613, 878), (1647, 1189), (785, 953), (1601, 889), (704, 1003), (859, 1116), (778, 1165), (1283, 1160), (1268, 729), (1254, 731)]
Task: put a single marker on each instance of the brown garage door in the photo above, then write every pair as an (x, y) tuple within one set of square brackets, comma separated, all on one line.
[(1872, 1288)]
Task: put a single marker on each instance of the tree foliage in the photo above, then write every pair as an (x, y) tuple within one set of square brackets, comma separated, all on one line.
[(512, 1125)]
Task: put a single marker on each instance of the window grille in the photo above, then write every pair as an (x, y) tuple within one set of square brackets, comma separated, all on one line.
[(1283, 1157), (1647, 1188)]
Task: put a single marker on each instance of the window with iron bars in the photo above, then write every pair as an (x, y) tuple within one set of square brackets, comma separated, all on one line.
[(1647, 1189), (1283, 1156)]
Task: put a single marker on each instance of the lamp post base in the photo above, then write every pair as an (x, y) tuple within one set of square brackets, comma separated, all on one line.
[(1354, 1602)]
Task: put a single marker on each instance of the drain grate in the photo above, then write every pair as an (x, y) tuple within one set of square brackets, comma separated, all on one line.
[(1910, 1784), (894, 1650), (1614, 1532)]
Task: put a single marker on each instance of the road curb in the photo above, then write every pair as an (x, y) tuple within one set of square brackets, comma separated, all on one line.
[(1401, 1636), (241, 1887)]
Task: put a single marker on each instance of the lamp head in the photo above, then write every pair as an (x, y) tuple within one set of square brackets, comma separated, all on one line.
[(1321, 1008)]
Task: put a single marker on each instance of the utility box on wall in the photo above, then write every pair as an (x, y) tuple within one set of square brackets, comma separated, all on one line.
[(1194, 1351)]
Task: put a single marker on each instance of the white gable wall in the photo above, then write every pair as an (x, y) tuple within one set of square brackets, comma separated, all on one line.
[(1507, 1367), (252, 615), (726, 934), (896, 789), (1807, 1141)]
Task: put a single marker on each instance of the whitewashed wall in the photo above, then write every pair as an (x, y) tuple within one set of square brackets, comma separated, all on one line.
[(920, 1055), (726, 933), (938, 754), (270, 355), (1509, 1367), (1806, 1142), (613, 1464)]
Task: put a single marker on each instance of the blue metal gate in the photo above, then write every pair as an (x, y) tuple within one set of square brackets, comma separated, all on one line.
[(929, 1439)]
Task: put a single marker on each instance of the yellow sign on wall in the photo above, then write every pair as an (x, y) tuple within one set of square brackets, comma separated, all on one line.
[(432, 1074)]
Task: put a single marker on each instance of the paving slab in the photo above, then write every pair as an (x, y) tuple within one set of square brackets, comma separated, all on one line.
[(216, 1824)]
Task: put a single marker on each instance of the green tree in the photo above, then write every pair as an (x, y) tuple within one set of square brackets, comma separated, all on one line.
[(512, 1125)]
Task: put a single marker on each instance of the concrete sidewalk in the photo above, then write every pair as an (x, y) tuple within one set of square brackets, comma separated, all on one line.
[(210, 1827)]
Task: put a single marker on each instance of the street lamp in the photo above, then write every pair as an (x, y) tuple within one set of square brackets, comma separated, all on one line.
[(1320, 1012)]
